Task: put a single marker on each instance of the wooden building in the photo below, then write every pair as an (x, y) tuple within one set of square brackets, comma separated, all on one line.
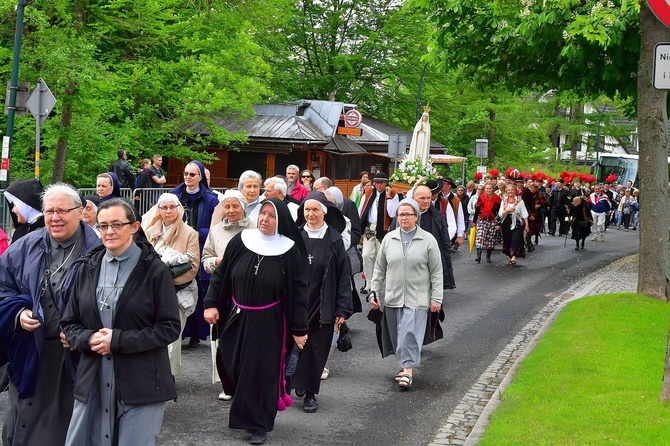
[(304, 133)]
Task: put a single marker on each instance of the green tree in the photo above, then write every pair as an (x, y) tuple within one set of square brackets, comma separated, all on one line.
[(149, 77)]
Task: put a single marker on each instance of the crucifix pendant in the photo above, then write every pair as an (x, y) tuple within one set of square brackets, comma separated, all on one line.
[(103, 303), (309, 257), (256, 268)]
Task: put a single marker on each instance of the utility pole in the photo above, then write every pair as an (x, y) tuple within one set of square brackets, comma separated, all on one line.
[(7, 140)]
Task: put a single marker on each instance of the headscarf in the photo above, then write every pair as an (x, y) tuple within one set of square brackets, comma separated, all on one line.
[(286, 233), (411, 202), (203, 178), (26, 195), (337, 195), (333, 217), (94, 199), (116, 188), (219, 214)]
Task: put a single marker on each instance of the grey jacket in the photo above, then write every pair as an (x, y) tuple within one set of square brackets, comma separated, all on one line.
[(413, 281)]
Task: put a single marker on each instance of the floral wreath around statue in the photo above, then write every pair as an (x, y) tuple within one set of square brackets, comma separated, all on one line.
[(408, 172)]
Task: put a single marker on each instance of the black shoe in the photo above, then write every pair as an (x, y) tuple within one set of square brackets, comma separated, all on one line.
[(363, 290), (576, 248), (310, 405), (193, 342), (258, 437), (552, 234)]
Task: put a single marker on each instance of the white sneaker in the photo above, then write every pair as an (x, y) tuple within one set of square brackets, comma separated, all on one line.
[(223, 397), (325, 374)]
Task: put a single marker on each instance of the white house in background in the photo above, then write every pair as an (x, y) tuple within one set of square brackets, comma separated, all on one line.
[(593, 144)]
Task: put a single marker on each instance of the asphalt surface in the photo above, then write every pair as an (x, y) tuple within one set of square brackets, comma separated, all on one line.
[(360, 404)]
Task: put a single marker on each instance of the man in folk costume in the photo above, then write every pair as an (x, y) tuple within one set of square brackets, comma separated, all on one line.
[(456, 220), (378, 206)]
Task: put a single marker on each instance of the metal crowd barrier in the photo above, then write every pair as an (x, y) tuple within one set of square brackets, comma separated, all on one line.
[(143, 199)]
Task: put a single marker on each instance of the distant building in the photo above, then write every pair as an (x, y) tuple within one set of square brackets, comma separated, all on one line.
[(304, 133)]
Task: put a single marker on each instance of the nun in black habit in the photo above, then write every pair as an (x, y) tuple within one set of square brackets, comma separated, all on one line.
[(329, 288), (259, 293), (25, 200)]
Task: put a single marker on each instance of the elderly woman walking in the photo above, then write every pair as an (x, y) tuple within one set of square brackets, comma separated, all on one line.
[(177, 244), (408, 280), (514, 220)]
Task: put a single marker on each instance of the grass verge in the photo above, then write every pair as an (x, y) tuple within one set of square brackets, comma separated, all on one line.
[(594, 378)]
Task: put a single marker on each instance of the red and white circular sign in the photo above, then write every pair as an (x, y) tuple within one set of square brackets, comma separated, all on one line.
[(661, 10), (353, 118)]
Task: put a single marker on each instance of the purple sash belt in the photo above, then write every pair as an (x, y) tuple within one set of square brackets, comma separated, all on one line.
[(264, 307)]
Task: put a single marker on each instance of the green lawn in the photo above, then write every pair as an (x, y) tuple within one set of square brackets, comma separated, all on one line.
[(593, 379)]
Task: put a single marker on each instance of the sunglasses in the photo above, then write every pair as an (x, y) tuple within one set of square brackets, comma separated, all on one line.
[(306, 176), (191, 174)]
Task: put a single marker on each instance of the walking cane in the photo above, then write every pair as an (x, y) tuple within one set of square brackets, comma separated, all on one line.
[(565, 243)]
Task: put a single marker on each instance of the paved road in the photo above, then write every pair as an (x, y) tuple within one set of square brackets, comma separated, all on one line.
[(359, 404)]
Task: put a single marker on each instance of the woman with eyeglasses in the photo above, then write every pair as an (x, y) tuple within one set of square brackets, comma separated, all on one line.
[(229, 219), (329, 290), (121, 316), (177, 244), (307, 179), (408, 282), (198, 203)]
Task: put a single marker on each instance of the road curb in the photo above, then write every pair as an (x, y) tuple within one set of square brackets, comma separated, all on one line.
[(467, 423)]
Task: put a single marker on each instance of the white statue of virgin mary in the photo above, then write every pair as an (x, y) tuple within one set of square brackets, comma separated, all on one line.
[(419, 147)]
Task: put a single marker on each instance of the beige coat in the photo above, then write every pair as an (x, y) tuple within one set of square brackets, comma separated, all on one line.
[(180, 237)]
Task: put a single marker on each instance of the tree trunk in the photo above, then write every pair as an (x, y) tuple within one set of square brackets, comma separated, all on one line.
[(61, 144), (576, 117), (653, 278), (491, 135)]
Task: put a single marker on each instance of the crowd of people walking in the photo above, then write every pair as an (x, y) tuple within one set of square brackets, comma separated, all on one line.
[(95, 298)]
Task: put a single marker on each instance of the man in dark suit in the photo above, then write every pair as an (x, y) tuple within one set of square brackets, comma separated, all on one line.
[(558, 204), (123, 171), (378, 206)]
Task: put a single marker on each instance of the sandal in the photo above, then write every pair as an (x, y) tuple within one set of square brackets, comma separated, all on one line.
[(401, 372), (405, 381)]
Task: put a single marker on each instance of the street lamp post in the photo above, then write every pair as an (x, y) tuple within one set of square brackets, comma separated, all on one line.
[(14, 82)]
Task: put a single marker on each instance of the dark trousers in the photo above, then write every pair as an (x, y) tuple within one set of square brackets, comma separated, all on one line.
[(558, 213)]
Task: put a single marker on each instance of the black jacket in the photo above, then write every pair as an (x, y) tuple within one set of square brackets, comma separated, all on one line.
[(336, 284), (123, 171), (349, 210), (145, 322)]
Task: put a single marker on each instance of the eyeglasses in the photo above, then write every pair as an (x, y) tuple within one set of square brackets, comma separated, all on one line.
[(168, 208), (403, 215), (190, 174), (114, 226), (60, 212)]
